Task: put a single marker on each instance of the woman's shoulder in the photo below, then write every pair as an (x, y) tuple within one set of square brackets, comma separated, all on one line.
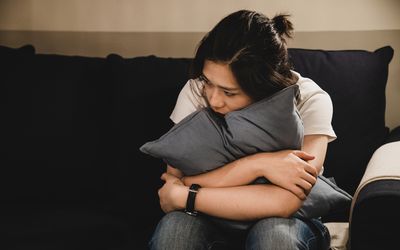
[(315, 108), (192, 93), (188, 101), (309, 88), (306, 84)]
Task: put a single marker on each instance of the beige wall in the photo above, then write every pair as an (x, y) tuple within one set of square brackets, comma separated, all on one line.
[(172, 28), (191, 15)]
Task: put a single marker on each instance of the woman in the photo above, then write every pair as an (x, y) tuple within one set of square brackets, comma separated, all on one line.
[(244, 59)]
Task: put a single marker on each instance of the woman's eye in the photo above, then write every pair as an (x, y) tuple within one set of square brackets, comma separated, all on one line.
[(207, 84), (203, 79), (229, 93)]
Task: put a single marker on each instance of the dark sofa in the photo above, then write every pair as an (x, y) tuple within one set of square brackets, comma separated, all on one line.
[(72, 175)]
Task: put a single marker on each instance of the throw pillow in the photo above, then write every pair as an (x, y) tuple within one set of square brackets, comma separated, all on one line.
[(204, 140)]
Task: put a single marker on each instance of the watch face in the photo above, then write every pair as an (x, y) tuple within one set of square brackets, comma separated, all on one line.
[(195, 187)]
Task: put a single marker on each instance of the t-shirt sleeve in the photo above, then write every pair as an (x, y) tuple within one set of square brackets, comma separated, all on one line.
[(316, 113), (186, 103)]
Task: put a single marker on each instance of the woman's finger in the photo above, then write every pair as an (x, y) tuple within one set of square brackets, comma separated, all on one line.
[(298, 191), (311, 170), (309, 178), (165, 176), (162, 177), (303, 155), (305, 185)]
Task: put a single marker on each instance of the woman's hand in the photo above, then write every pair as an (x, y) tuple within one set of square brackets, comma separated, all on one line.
[(172, 194), (174, 171), (290, 170)]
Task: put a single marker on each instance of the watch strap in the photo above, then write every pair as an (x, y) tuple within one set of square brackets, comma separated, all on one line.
[(193, 189)]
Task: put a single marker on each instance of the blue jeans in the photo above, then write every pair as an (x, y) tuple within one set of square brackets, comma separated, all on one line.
[(177, 231)]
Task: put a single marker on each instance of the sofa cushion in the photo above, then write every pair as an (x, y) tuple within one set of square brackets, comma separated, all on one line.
[(8, 53), (15, 66), (54, 130), (145, 90), (356, 82)]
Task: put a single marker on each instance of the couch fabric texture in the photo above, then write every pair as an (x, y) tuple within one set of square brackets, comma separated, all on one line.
[(72, 175)]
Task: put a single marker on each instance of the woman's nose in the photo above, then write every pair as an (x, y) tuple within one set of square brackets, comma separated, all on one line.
[(216, 100)]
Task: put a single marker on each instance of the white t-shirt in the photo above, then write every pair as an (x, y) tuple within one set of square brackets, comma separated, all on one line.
[(315, 107)]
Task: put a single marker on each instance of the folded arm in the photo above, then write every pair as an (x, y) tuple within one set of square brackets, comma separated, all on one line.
[(225, 192), (236, 203), (292, 170)]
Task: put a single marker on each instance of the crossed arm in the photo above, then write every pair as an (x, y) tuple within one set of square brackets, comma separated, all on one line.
[(226, 192)]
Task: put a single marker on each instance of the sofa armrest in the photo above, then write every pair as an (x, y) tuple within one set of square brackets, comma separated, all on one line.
[(376, 201), (394, 135)]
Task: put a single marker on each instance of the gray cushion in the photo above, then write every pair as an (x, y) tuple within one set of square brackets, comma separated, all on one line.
[(205, 140)]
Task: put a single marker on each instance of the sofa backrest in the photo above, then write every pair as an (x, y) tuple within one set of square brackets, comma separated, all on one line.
[(72, 126), (55, 122)]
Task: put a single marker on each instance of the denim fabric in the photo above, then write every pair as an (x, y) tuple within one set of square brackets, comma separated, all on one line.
[(179, 231), (293, 233)]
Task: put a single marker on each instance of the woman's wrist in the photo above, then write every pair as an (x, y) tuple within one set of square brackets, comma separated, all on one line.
[(181, 194), (258, 164), (183, 180)]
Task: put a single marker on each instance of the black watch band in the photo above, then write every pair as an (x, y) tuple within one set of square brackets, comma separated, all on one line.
[(191, 199)]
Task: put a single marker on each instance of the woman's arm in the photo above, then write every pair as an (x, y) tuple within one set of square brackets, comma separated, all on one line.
[(174, 171), (238, 203), (287, 169), (316, 145), (293, 170)]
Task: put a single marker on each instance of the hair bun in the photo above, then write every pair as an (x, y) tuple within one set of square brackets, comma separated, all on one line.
[(282, 25)]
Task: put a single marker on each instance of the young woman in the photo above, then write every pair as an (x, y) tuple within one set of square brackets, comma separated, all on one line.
[(244, 59)]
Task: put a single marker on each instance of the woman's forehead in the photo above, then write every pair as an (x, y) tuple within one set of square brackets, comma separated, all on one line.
[(220, 74)]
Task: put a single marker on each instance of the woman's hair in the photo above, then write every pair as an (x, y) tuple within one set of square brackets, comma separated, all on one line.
[(254, 47)]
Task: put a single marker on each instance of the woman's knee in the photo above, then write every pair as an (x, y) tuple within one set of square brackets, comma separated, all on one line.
[(277, 233), (177, 230)]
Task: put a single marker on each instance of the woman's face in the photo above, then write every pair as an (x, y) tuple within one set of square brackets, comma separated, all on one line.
[(221, 88)]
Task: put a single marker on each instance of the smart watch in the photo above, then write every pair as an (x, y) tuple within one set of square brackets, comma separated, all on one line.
[(193, 189)]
